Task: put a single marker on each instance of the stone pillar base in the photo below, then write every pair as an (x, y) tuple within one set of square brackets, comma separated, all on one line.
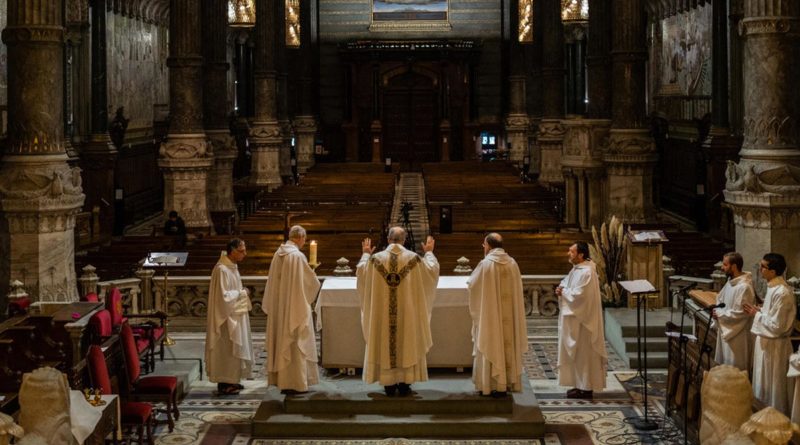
[(517, 126), (582, 159), (265, 144), (220, 177), (766, 222), (306, 128), (39, 198), (186, 161), (630, 160), (549, 140)]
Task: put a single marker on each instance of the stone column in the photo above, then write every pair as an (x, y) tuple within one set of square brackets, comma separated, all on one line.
[(186, 157), (598, 61), (516, 121), (764, 188), (305, 124), (533, 90), (631, 154), (720, 146), (99, 156), (285, 124), (551, 132), (216, 106), (582, 158), (265, 133), (39, 193)]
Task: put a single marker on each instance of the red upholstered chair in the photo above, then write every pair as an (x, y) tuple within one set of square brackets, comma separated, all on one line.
[(91, 297), (137, 415), (148, 334), (100, 328), (153, 388)]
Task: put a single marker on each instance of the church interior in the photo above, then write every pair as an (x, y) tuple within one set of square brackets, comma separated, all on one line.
[(664, 133)]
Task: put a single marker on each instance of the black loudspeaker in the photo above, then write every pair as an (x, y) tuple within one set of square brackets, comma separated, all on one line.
[(446, 219)]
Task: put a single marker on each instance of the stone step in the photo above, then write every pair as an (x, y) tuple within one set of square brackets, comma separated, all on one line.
[(446, 406), (655, 360), (654, 344)]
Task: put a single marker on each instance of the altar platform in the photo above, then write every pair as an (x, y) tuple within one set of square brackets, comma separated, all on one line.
[(446, 406)]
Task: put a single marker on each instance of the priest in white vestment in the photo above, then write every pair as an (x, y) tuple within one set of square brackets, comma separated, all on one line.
[(229, 348), (396, 288), (582, 356), (772, 324), (734, 343), (499, 333), (291, 288)]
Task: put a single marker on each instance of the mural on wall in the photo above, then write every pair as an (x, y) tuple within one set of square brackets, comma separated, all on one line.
[(137, 53), (685, 67), (411, 14)]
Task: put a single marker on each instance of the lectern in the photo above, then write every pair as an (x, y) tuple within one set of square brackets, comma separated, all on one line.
[(641, 289), (165, 260)]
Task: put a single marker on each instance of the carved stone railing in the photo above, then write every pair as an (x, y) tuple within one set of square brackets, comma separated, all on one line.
[(131, 291), (188, 296)]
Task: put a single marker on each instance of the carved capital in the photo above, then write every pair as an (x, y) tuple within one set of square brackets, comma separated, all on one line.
[(185, 146), (33, 34), (584, 141), (517, 122), (630, 143), (764, 210)]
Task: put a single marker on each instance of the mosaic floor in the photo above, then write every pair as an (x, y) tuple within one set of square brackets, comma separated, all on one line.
[(208, 419)]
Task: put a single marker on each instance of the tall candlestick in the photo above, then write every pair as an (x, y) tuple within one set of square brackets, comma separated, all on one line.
[(312, 251)]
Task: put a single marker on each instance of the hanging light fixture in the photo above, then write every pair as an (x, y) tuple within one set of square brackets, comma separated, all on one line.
[(241, 13), (574, 10)]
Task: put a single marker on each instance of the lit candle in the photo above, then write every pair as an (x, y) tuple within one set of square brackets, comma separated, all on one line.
[(312, 252)]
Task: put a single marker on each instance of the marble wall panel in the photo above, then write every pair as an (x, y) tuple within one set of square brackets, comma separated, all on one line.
[(684, 50), (138, 77)]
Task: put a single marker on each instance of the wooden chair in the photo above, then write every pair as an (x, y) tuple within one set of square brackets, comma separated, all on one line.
[(152, 388), (138, 415), (147, 334)]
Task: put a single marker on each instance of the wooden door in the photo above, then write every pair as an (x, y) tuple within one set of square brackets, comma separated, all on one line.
[(410, 116)]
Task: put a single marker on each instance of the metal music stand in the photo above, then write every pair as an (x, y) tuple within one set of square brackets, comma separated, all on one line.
[(165, 260), (641, 289)]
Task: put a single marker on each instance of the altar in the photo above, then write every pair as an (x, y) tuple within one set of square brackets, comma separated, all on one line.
[(342, 342)]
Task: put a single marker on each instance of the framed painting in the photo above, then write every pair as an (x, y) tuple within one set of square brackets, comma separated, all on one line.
[(410, 15)]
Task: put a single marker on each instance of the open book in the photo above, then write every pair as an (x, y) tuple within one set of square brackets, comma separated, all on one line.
[(637, 286), (647, 236), (165, 259)]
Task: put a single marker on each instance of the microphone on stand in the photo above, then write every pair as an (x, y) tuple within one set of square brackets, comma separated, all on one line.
[(683, 289), (714, 306)]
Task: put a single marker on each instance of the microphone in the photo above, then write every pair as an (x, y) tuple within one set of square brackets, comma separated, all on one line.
[(714, 306), (683, 289)]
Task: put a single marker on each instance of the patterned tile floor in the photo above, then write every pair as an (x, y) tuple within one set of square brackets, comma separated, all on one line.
[(208, 419)]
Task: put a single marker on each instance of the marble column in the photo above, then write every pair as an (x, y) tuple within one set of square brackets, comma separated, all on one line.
[(598, 61), (99, 156), (284, 122), (216, 106), (631, 154), (533, 89), (721, 145), (305, 123), (186, 157), (582, 162), (763, 190), (551, 132), (265, 133), (39, 192)]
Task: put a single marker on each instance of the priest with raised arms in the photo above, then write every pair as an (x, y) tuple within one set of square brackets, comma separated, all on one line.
[(499, 333), (582, 356), (292, 287), (396, 288), (229, 348), (734, 346)]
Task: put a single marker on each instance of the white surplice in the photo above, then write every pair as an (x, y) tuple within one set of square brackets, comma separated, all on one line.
[(582, 356), (772, 327), (794, 373), (395, 355), (499, 332), (229, 348), (734, 342), (291, 342)]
